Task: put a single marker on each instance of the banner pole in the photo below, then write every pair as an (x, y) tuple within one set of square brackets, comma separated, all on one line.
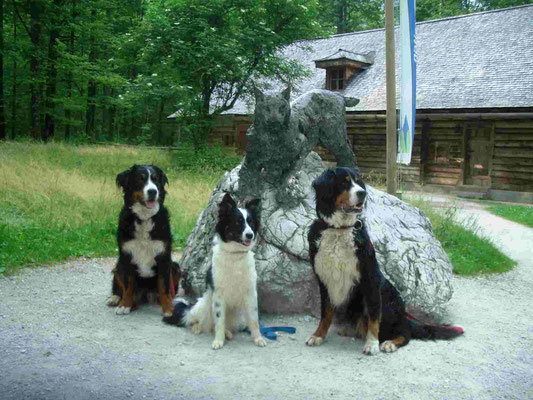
[(391, 97)]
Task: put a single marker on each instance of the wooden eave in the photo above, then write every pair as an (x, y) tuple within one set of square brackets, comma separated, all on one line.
[(341, 63)]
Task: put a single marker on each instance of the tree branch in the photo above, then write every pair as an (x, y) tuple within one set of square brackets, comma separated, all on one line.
[(20, 18)]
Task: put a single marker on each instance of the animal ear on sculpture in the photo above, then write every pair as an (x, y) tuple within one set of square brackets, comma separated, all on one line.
[(286, 94), (259, 96)]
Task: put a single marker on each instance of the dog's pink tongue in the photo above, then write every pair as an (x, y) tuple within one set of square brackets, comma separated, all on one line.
[(151, 204)]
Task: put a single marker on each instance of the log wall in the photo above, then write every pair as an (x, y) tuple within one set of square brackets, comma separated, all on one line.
[(443, 151), (512, 160)]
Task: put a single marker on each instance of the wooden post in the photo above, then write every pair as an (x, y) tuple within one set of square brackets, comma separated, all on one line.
[(391, 97)]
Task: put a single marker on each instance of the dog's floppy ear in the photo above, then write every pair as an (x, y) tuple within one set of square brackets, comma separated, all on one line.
[(226, 205), (162, 177), (324, 187), (253, 206), (122, 178)]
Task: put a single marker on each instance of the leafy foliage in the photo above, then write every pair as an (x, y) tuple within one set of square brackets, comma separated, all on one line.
[(98, 70)]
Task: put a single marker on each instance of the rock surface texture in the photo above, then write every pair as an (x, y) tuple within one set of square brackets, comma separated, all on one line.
[(408, 253)]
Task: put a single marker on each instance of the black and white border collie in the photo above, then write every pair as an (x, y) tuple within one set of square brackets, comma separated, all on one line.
[(354, 293), (144, 263), (231, 281)]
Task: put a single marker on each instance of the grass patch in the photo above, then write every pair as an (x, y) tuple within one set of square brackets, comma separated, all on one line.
[(521, 214), (60, 201), (470, 252)]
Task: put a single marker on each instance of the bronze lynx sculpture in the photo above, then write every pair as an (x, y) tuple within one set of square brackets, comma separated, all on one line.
[(283, 135)]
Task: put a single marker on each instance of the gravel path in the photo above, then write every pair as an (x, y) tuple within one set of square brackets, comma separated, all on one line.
[(59, 341)]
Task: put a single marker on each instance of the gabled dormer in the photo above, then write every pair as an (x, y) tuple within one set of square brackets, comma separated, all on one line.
[(342, 66)]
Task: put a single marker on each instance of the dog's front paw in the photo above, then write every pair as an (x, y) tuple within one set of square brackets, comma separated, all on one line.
[(314, 340), (217, 344), (121, 310), (388, 346), (228, 334), (260, 342), (371, 347), (167, 314), (113, 301)]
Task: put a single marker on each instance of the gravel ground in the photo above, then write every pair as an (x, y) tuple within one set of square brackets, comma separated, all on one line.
[(60, 341)]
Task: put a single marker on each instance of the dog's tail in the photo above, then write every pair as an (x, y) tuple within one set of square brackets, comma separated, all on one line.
[(420, 330), (185, 314), (178, 317)]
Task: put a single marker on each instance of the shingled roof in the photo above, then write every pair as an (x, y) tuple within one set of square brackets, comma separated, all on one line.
[(482, 60)]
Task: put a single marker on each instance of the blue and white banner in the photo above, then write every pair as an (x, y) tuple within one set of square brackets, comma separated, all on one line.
[(406, 130)]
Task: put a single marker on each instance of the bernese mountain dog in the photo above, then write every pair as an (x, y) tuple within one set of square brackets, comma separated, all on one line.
[(144, 269), (354, 293), (231, 280)]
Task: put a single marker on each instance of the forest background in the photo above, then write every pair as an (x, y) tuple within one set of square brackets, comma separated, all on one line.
[(113, 70)]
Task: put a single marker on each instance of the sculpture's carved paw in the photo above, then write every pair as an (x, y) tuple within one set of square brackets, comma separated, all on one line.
[(152, 298)]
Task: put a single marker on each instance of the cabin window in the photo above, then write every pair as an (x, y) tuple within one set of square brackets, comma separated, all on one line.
[(336, 79)]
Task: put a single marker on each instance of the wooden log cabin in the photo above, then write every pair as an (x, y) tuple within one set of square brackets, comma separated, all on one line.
[(474, 123)]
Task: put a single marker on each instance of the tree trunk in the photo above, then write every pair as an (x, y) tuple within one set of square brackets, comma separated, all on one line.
[(70, 77), (14, 99), (2, 111), (105, 112), (51, 80), (160, 122), (111, 124), (35, 12), (91, 87), (341, 15)]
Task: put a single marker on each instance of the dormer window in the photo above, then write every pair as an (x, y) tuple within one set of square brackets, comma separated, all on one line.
[(335, 79), (342, 65)]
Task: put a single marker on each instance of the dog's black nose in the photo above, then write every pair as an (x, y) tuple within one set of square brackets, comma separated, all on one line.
[(249, 235), (151, 194)]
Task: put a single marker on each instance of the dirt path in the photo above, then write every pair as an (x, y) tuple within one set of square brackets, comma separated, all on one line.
[(59, 341)]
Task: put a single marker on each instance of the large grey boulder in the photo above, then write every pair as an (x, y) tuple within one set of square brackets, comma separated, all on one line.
[(408, 253)]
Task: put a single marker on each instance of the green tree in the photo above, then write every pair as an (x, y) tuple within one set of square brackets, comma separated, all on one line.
[(213, 50)]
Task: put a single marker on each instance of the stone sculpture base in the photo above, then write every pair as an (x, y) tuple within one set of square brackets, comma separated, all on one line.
[(408, 253)]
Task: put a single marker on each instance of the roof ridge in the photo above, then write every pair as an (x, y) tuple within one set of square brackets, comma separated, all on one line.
[(432, 21)]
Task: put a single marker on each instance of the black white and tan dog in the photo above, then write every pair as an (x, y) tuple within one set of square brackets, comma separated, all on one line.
[(144, 268), (231, 280), (354, 293)]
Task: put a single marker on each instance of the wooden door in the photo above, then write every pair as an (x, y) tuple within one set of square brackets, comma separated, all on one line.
[(478, 155)]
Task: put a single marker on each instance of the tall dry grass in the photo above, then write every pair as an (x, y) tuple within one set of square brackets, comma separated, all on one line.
[(59, 201)]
